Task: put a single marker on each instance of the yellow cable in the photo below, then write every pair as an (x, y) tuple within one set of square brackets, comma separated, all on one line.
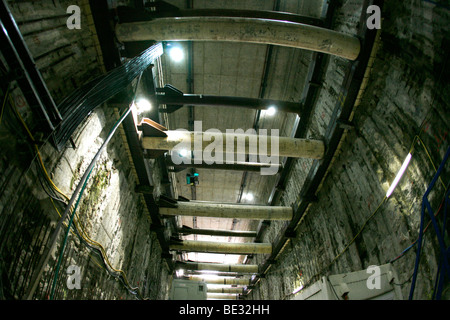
[(81, 232), (3, 105), (431, 160), (359, 232), (411, 150), (56, 209)]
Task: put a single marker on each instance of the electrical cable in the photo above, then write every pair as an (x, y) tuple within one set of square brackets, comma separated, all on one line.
[(53, 194), (3, 104), (79, 191), (82, 185), (415, 242), (82, 101), (411, 150)]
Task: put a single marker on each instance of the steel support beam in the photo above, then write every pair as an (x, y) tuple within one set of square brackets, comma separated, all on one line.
[(218, 233), (241, 143), (262, 31), (221, 247), (223, 210), (173, 102), (258, 14), (237, 268), (237, 166), (22, 68)]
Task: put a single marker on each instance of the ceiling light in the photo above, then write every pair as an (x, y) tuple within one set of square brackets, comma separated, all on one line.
[(249, 196), (180, 272), (183, 153), (399, 175), (143, 105), (176, 54), (271, 111)]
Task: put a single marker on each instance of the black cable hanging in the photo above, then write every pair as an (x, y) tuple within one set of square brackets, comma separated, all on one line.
[(77, 106)]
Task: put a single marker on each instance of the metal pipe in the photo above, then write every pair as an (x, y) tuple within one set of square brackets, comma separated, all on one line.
[(221, 247), (219, 233), (224, 210), (239, 268), (253, 30), (235, 290), (226, 101), (222, 296), (229, 281), (240, 142)]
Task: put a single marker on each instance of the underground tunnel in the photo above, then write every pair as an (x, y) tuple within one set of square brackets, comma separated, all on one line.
[(224, 150)]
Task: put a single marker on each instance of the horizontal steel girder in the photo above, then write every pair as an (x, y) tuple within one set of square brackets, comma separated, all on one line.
[(223, 267), (221, 247), (262, 31), (223, 210), (226, 101), (218, 233), (236, 166)]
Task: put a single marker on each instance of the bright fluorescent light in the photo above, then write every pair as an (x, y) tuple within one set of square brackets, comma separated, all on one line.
[(271, 110), (297, 289), (249, 196), (180, 272), (176, 54), (399, 175)]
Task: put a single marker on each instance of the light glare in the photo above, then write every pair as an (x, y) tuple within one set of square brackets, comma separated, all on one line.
[(271, 111), (176, 54), (183, 153), (143, 105), (249, 196)]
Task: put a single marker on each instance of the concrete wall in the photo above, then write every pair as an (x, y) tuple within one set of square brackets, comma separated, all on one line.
[(408, 88), (110, 212)]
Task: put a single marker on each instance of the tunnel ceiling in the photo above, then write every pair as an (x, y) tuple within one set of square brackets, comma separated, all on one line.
[(241, 70)]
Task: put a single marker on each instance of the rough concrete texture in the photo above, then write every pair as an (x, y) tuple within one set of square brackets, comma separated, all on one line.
[(111, 213), (407, 94)]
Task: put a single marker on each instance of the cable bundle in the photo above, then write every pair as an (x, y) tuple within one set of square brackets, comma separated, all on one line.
[(65, 202), (77, 106)]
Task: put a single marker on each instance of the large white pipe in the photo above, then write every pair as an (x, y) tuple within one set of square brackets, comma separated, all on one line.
[(222, 210), (241, 144), (235, 290), (224, 281), (222, 247), (236, 29)]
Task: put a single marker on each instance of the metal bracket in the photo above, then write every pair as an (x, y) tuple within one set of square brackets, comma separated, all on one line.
[(167, 202)]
